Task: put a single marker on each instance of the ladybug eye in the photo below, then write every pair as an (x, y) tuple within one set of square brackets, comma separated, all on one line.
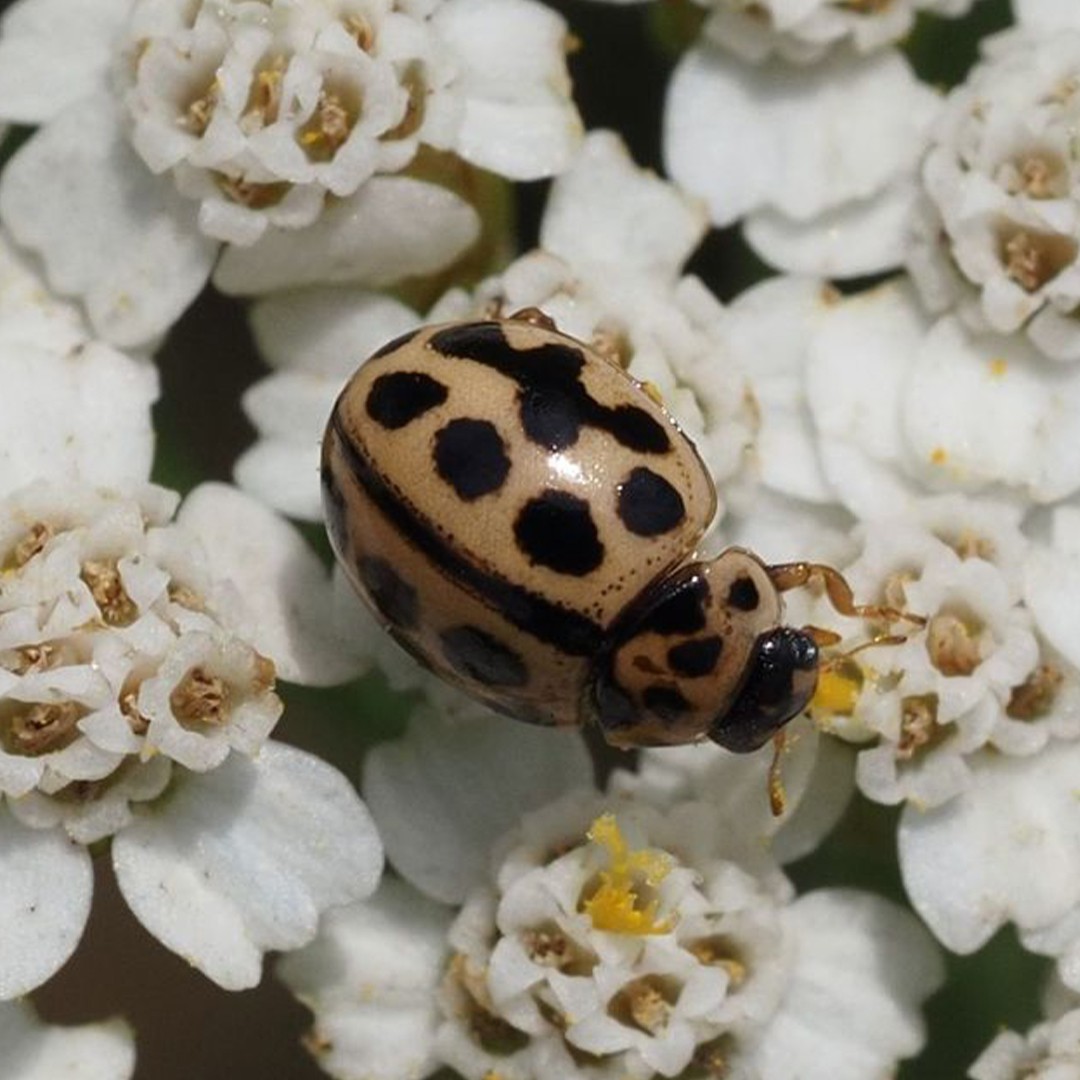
[(781, 679)]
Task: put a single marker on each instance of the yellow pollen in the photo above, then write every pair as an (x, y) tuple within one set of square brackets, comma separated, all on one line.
[(939, 455), (837, 691), (616, 905), (998, 367)]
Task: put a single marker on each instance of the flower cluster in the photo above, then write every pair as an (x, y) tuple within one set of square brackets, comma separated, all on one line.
[(605, 937), (554, 911), (303, 136), (999, 235)]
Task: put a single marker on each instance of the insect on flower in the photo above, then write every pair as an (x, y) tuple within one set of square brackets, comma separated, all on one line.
[(523, 518)]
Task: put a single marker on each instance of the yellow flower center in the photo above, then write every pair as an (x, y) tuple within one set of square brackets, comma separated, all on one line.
[(618, 904)]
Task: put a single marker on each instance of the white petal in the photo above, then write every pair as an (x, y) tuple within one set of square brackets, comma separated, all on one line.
[(442, 794), (802, 139), (859, 359), (519, 119), (768, 329), (44, 903), (371, 978), (393, 227), (864, 236), (282, 475), (984, 409), (1046, 14), (1051, 586), (863, 968), (327, 331), (246, 858), (605, 210), (1008, 848), (121, 239), (54, 52), (37, 1051), (285, 589), (82, 416)]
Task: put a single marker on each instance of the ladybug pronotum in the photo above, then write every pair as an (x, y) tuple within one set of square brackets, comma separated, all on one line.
[(522, 517)]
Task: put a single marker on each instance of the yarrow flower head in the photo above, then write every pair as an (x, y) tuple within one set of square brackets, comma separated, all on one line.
[(112, 660), (600, 936), (122, 677), (305, 135), (998, 234), (971, 674)]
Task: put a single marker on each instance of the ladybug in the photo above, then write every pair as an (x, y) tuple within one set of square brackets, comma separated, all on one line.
[(522, 516)]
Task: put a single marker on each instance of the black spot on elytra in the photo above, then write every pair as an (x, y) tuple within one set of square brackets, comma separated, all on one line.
[(391, 346), (682, 611), (478, 655), (743, 594), (393, 595), (399, 397), (471, 457), (556, 530), (553, 402), (665, 702), (648, 505), (695, 658)]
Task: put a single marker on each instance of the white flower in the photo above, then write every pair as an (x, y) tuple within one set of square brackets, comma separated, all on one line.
[(820, 162), (72, 407), (131, 709), (613, 240), (598, 937), (974, 674), (1000, 228), (270, 127), (1050, 1050), (903, 406), (37, 1051)]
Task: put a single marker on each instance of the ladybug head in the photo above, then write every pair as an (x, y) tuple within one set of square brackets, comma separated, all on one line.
[(780, 681), (702, 654)]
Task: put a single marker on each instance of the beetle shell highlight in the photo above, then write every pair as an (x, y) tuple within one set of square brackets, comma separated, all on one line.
[(521, 516)]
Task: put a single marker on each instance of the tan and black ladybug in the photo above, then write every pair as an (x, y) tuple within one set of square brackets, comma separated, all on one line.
[(522, 516)]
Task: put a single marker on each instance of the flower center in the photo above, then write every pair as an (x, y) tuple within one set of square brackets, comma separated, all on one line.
[(549, 947), (622, 901), (719, 951), (102, 577), (953, 644), (1035, 697), (37, 536), (200, 700), (1039, 174), (645, 1003), (31, 730), (919, 729), (1033, 258)]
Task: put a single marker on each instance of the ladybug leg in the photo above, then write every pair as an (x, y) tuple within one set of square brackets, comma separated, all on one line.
[(777, 793), (793, 575)]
